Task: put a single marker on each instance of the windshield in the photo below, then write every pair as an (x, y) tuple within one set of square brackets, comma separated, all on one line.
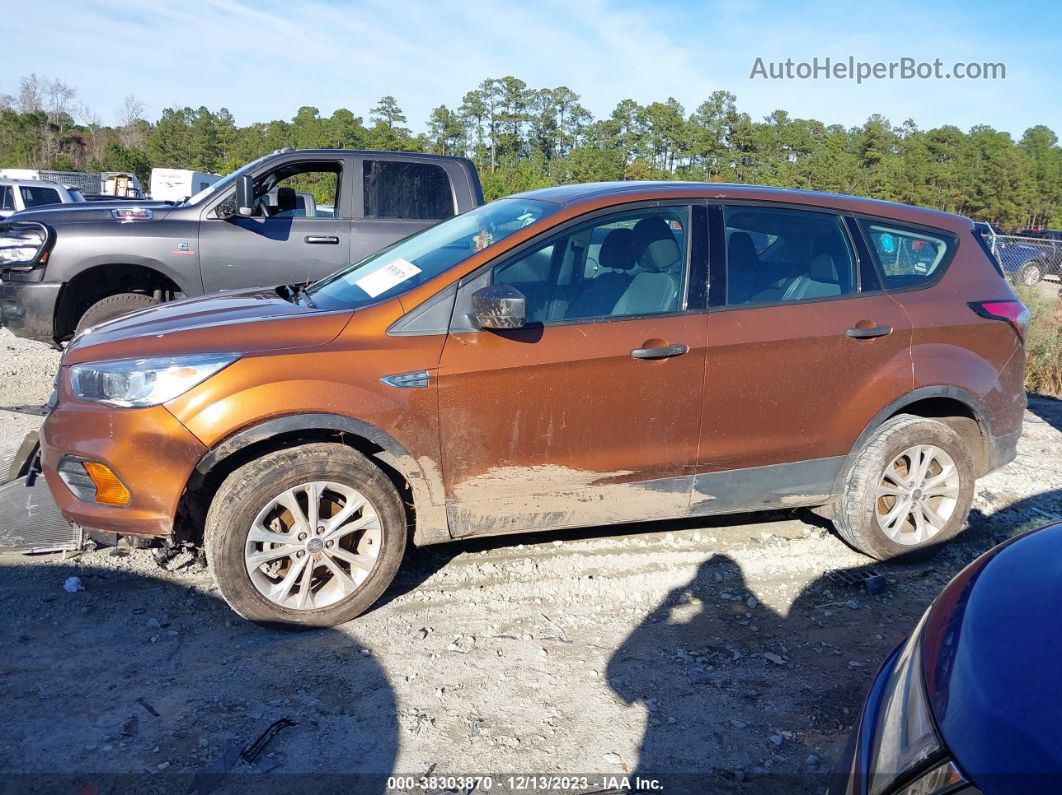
[(411, 262), (224, 182)]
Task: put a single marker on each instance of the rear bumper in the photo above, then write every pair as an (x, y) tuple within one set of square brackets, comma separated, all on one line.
[(1002, 449), (28, 309), (148, 449)]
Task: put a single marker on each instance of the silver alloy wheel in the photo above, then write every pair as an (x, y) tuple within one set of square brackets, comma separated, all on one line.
[(313, 545), (917, 494), (1031, 274)]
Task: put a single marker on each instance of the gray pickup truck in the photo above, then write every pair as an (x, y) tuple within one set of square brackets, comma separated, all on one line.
[(289, 217)]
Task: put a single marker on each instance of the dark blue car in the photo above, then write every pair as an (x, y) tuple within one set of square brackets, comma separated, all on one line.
[(972, 701), (1022, 261)]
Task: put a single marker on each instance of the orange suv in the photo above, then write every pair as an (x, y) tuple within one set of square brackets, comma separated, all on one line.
[(575, 356)]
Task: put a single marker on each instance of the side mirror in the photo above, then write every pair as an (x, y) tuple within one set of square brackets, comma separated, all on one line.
[(245, 195), (499, 306)]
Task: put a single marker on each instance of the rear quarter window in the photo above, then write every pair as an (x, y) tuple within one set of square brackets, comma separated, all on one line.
[(907, 257), (398, 189), (35, 197)]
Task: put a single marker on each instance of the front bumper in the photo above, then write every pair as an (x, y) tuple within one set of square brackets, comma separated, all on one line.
[(151, 452), (28, 309)]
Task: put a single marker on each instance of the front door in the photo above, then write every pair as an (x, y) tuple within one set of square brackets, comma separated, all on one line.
[(803, 353), (590, 414), (300, 228)]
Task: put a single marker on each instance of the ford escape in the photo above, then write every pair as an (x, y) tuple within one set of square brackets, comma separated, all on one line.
[(575, 356)]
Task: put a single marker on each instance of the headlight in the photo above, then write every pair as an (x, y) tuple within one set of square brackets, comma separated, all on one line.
[(144, 382), (20, 243), (905, 739)]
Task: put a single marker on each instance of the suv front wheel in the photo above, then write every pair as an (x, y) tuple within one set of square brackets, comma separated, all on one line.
[(310, 536), (908, 491)]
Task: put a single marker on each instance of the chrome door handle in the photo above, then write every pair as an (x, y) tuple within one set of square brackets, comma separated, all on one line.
[(328, 240), (660, 353), (867, 333)]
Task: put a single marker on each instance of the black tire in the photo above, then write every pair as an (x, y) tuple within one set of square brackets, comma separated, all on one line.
[(250, 488), (1031, 273), (111, 307), (856, 518)]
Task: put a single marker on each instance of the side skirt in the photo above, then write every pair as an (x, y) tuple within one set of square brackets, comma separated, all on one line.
[(790, 485)]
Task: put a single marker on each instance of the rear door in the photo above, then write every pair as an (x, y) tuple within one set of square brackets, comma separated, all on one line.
[(395, 197), (590, 414), (300, 229), (803, 350)]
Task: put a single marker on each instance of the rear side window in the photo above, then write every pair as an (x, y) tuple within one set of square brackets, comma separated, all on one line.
[(907, 257), (7, 200), (397, 189), (782, 256), (34, 197)]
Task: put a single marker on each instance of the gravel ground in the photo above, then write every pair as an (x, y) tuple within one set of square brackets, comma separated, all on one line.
[(725, 649)]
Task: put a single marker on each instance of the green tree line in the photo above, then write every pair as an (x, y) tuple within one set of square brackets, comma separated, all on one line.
[(523, 138)]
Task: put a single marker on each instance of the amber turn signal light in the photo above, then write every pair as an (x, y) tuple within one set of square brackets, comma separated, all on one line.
[(109, 490)]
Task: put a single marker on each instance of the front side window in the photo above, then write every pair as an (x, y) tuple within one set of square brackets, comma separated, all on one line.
[(421, 257), (33, 196), (299, 190), (621, 265), (7, 200), (907, 257), (410, 190), (777, 256)]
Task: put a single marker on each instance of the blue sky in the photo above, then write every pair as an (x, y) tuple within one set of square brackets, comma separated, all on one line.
[(262, 59)]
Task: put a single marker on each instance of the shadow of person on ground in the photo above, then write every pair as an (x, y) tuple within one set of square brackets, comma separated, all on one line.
[(138, 676), (712, 660)]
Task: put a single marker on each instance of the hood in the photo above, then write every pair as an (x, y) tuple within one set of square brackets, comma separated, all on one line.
[(241, 322), (83, 212), (992, 652)]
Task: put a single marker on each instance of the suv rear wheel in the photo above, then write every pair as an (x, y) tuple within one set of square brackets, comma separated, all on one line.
[(908, 491), (310, 536)]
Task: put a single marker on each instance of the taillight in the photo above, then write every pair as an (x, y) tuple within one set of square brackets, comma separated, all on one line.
[(1013, 312)]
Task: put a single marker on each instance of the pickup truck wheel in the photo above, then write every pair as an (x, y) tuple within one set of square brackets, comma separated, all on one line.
[(908, 491), (112, 306), (1030, 274), (308, 536)]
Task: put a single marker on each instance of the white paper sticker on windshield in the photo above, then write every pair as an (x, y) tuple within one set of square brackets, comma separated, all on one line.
[(382, 280)]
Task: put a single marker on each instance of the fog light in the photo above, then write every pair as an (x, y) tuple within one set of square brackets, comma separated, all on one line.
[(92, 481)]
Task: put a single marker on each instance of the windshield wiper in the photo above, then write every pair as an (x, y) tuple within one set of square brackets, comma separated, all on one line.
[(294, 291)]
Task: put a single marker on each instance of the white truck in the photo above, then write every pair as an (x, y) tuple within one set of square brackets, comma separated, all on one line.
[(177, 184), (120, 184), (25, 194)]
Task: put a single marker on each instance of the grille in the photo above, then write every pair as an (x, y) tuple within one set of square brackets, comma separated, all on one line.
[(30, 520)]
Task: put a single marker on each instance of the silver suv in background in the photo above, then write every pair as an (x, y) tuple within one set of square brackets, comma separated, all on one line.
[(24, 194)]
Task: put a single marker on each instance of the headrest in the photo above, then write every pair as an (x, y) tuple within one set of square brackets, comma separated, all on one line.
[(286, 199), (741, 249), (616, 252), (654, 244), (823, 269)]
